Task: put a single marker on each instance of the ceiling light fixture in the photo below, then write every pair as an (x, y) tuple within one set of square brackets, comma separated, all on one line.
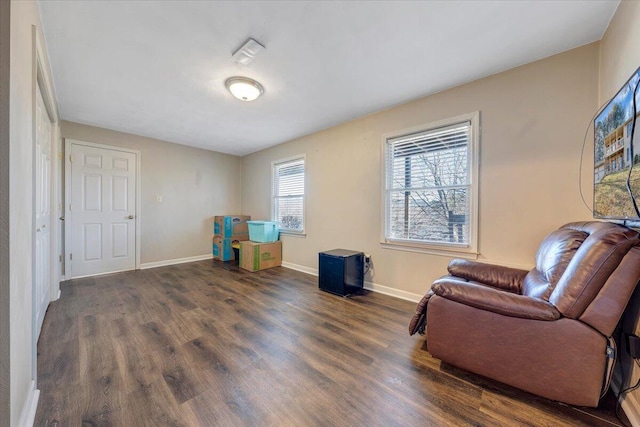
[(244, 88)]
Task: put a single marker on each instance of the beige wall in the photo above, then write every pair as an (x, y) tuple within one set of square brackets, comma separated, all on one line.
[(533, 120), (619, 58), (24, 16), (194, 184), (620, 49)]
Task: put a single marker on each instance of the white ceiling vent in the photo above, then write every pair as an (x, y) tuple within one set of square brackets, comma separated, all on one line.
[(247, 53)]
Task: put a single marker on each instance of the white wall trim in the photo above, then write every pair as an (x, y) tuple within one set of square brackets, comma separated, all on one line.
[(301, 268), (155, 264), (398, 293), (104, 274), (370, 286), (28, 415), (43, 84), (431, 250)]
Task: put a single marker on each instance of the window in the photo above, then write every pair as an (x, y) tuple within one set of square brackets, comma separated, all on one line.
[(288, 194), (431, 186)]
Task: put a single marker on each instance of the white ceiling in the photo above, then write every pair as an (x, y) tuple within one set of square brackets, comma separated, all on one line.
[(157, 68)]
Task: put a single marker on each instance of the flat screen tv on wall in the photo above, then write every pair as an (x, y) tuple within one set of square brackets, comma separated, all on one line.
[(617, 156)]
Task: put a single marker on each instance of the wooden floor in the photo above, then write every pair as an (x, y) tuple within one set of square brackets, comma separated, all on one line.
[(207, 344)]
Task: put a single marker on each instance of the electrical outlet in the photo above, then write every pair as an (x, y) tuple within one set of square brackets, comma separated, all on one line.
[(159, 199), (367, 258)]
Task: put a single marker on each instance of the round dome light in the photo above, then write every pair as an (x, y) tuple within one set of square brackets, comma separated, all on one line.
[(244, 88)]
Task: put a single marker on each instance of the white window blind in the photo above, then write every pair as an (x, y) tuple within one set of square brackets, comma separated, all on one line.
[(428, 186), (288, 194)]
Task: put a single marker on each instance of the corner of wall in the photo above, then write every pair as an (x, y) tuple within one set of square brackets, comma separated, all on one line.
[(241, 185), (619, 54)]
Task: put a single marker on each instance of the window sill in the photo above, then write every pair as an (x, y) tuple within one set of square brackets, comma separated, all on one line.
[(447, 251), (294, 234)]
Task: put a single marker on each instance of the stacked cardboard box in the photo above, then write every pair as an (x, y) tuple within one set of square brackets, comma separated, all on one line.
[(264, 250), (228, 229), (255, 256)]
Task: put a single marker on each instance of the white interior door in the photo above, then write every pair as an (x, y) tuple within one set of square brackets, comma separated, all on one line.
[(43, 212), (103, 210)]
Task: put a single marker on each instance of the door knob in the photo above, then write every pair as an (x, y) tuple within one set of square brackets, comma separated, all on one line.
[(61, 218), (44, 226), (130, 216)]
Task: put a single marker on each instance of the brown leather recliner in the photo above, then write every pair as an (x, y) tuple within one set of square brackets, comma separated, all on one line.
[(547, 331)]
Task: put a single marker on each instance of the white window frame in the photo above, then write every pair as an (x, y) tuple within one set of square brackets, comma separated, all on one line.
[(445, 249), (274, 216)]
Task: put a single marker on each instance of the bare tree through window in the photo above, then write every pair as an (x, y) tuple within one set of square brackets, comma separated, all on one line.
[(288, 194), (429, 194)]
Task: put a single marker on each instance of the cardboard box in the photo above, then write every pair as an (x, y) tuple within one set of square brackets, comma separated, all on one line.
[(231, 227), (256, 256), (222, 249)]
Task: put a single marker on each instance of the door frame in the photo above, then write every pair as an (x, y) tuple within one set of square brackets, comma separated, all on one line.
[(41, 81), (68, 213), (51, 273)]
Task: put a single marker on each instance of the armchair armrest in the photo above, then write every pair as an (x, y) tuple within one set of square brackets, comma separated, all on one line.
[(418, 321), (507, 278), (494, 300)]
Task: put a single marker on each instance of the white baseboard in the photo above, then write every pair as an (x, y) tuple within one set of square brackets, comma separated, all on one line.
[(101, 274), (398, 293), (302, 268), (370, 286), (28, 415), (56, 297), (155, 264)]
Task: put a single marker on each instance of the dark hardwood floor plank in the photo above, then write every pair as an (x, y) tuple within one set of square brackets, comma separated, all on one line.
[(100, 381), (208, 344), (61, 366), (138, 368), (59, 407), (210, 409), (151, 405), (353, 350), (61, 322)]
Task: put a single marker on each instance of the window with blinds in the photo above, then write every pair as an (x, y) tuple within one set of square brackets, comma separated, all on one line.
[(429, 186), (288, 194)]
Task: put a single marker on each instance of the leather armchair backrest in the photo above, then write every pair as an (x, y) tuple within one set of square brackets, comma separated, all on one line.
[(594, 261), (552, 259)]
